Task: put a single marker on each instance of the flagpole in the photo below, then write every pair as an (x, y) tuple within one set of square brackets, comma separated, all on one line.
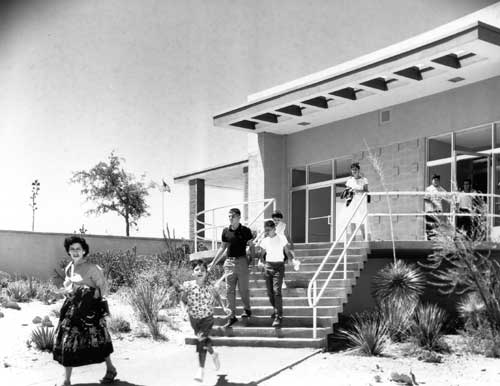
[(163, 211)]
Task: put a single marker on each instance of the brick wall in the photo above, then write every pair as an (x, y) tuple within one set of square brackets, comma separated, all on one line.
[(403, 166)]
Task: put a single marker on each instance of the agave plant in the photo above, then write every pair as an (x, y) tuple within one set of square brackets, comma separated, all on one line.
[(398, 281), (472, 309), (43, 338), (18, 291), (369, 333), (399, 317), (427, 327)]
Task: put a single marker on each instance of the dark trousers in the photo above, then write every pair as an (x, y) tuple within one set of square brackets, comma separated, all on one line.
[(465, 222), (239, 276), (202, 328), (274, 274)]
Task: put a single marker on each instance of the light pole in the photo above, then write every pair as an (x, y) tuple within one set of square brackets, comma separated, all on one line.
[(163, 188), (35, 189)]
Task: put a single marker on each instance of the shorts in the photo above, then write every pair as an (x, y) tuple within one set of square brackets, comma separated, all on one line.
[(202, 328)]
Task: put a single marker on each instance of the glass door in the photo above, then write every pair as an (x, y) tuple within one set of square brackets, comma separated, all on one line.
[(319, 225)]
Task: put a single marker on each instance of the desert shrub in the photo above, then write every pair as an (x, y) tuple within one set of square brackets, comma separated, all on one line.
[(118, 324), (399, 318), (460, 265), (427, 327), (368, 333), (471, 309), (43, 338), (18, 291), (147, 299)]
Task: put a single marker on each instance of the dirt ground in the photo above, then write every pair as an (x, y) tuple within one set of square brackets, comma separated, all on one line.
[(143, 362)]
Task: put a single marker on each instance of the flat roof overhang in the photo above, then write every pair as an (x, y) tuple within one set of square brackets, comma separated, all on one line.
[(409, 70), (228, 176)]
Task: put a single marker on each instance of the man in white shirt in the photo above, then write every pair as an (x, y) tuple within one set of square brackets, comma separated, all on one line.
[(273, 246), (433, 205)]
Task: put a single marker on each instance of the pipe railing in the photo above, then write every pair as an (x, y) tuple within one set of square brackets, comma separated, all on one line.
[(215, 229), (313, 296)]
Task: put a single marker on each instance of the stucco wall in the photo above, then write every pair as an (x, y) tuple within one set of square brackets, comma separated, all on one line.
[(444, 112), (37, 254)]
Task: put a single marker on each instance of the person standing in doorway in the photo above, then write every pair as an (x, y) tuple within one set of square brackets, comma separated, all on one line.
[(235, 239), (465, 206), (357, 185), (433, 205)]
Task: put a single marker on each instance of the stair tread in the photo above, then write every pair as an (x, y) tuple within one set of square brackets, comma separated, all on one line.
[(261, 338)]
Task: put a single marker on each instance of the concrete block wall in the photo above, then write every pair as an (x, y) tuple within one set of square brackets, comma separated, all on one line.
[(403, 168)]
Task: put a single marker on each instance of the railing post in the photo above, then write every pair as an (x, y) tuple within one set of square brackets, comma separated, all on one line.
[(214, 237), (314, 310)]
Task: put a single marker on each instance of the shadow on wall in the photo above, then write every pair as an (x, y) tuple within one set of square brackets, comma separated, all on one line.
[(115, 383)]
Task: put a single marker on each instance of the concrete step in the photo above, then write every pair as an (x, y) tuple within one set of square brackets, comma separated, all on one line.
[(266, 321), (303, 283), (288, 311), (354, 244), (323, 252), (300, 301), (264, 342), (307, 275), (271, 332), (306, 265), (298, 292)]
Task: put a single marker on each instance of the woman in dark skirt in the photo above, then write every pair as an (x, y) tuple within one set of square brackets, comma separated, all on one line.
[(82, 337)]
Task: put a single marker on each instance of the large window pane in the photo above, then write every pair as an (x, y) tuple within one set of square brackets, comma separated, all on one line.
[(497, 134), (299, 176), (474, 140), (299, 216), (320, 172), (439, 147), (343, 167), (319, 214)]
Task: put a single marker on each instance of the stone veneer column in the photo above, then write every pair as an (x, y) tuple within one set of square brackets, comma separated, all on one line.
[(196, 205)]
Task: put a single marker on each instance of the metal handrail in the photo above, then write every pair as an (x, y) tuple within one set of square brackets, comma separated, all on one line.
[(318, 271), (213, 227)]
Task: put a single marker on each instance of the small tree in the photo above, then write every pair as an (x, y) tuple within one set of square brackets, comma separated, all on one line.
[(112, 189)]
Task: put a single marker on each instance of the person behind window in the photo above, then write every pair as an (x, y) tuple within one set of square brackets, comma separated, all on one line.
[(433, 205)]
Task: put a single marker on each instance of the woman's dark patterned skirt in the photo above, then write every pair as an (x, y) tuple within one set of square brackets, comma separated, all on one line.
[(81, 337)]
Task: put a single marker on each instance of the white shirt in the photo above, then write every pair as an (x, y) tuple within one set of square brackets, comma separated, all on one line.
[(356, 184), (435, 199), (465, 201), (274, 248)]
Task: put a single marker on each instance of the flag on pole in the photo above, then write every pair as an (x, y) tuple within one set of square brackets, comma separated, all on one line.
[(164, 187)]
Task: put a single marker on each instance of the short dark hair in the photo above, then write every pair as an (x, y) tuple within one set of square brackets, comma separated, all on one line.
[(355, 165), (436, 176), (235, 211), (69, 241), (277, 214), (200, 263), (270, 223)]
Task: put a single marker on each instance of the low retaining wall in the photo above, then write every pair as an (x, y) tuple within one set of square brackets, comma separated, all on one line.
[(37, 254)]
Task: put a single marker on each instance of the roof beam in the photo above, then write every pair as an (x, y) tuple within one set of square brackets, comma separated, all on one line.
[(377, 83), (320, 101), (346, 93), (450, 60), (293, 110), (413, 72), (245, 124), (267, 117)]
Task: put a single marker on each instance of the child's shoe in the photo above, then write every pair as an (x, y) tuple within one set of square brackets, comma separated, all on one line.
[(199, 375), (215, 358)]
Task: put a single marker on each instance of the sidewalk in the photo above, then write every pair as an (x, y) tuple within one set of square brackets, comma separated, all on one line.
[(160, 363)]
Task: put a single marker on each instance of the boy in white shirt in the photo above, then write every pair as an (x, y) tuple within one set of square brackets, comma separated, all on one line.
[(276, 248)]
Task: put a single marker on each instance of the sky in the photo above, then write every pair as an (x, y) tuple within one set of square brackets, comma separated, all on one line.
[(82, 78)]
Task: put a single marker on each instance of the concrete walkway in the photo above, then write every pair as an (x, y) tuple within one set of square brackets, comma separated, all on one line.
[(157, 363)]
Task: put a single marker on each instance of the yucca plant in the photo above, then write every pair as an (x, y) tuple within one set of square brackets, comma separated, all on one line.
[(43, 338), (427, 327), (399, 317), (398, 281), (472, 310), (147, 300), (368, 334), (118, 324), (18, 291)]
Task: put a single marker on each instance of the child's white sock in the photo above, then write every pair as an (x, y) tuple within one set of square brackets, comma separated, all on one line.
[(199, 375), (215, 358)]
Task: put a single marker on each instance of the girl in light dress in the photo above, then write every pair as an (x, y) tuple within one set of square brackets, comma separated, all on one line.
[(358, 185)]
